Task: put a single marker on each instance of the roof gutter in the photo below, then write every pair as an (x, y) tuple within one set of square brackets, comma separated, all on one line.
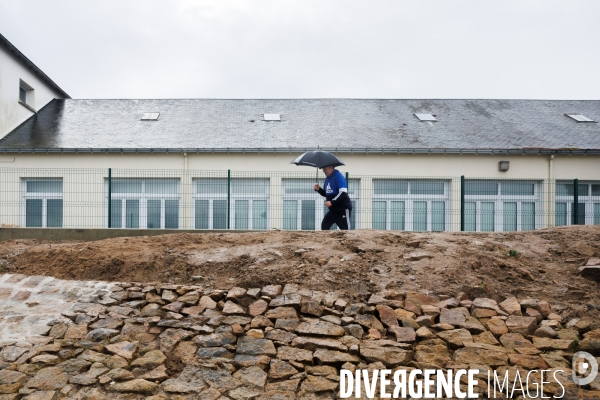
[(346, 150)]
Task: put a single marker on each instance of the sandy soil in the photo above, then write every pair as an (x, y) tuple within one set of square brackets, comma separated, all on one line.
[(545, 265)]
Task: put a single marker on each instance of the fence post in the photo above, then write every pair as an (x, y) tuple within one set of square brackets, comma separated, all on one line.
[(109, 197), (462, 203), (228, 197), (575, 202)]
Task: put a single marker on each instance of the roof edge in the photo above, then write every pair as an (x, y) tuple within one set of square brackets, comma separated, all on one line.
[(31, 65), (302, 150)]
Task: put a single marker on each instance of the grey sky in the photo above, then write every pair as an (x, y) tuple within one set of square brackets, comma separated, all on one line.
[(519, 49)]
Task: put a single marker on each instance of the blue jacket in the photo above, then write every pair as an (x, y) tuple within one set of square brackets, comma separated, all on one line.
[(336, 191)]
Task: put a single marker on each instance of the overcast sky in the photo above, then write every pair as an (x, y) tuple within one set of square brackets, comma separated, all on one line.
[(519, 49)]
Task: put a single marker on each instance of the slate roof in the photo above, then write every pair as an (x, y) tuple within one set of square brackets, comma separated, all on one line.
[(344, 125), (11, 48)]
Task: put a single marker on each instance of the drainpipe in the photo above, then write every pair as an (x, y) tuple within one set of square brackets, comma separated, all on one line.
[(185, 194), (551, 194)]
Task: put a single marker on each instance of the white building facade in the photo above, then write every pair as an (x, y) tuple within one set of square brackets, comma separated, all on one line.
[(24, 88)]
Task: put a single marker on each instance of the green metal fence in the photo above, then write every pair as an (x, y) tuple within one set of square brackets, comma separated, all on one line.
[(210, 200)]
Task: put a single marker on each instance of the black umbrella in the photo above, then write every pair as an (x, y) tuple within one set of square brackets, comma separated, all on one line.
[(318, 159)]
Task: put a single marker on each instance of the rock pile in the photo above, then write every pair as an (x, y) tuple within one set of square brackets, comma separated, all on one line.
[(162, 341)]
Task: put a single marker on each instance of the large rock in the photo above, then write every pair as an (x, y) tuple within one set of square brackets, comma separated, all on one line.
[(334, 357), (497, 326), (294, 354), (231, 308), (511, 306), (590, 344), (523, 325), (390, 356), (271, 290), (255, 347), (311, 307), (151, 359), (546, 344), (170, 337), (387, 315), (12, 353), (189, 381), (134, 386), (123, 349), (436, 355), (485, 303), (213, 352), (516, 341), (457, 337), (281, 370), (528, 361), (282, 312), (258, 307), (11, 381), (254, 376), (404, 335), (320, 328), (313, 344), (485, 356), (452, 317), (215, 339), (369, 321), (317, 384), (242, 361), (76, 331), (89, 377), (100, 334), (52, 378), (293, 300)]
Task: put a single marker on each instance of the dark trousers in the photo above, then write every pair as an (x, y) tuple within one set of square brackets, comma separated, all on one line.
[(341, 219)]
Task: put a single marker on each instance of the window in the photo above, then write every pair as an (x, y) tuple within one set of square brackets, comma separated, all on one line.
[(25, 93), (249, 200), (412, 205), (42, 202), (272, 117), (580, 118), (151, 116), (151, 203), (426, 117), (501, 206), (588, 212), (304, 209)]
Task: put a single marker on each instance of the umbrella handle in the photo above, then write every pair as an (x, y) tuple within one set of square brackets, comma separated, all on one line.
[(317, 176)]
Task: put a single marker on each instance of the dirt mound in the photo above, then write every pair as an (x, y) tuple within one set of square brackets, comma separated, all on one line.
[(541, 264)]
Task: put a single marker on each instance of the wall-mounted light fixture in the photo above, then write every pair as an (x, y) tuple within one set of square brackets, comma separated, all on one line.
[(503, 166)]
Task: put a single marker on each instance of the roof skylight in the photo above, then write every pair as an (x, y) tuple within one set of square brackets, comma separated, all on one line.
[(272, 117), (425, 117), (153, 116), (579, 118)]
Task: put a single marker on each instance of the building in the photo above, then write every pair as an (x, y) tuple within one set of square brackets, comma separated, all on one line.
[(24, 88), (218, 164)]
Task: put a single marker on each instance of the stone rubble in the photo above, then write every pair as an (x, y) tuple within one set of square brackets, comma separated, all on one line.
[(97, 340)]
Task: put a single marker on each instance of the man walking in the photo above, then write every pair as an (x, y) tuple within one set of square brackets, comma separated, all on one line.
[(338, 202)]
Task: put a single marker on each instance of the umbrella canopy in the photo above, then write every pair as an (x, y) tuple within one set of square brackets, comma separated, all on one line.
[(317, 159)]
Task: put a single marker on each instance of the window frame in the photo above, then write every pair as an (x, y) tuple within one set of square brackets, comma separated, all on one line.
[(28, 91), (500, 199), (44, 196), (409, 207), (143, 199), (233, 197), (319, 201), (589, 201)]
